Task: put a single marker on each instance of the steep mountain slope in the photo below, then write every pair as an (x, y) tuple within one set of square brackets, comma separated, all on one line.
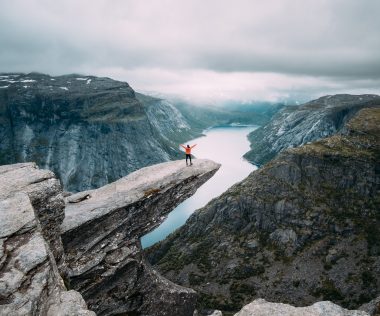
[(303, 228), (297, 125), (170, 123), (90, 131)]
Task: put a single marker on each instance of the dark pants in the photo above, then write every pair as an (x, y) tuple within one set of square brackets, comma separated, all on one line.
[(188, 157)]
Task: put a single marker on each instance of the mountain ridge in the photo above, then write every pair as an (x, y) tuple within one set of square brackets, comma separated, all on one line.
[(88, 130), (93, 130), (302, 228), (297, 125)]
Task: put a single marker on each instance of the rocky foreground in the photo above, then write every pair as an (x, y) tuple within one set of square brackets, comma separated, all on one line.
[(301, 229), (55, 251), (31, 210), (261, 307)]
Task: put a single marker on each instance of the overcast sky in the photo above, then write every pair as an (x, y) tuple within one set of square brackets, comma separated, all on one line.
[(201, 49)]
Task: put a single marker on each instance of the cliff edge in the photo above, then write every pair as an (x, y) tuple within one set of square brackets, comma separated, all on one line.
[(31, 253), (55, 251)]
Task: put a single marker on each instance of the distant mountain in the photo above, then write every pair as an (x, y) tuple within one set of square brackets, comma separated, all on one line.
[(304, 227), (227, 114), (88, 130), (91, 131), (293, 126)]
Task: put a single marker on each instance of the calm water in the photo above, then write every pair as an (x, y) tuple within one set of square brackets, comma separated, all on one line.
[(225, 145)]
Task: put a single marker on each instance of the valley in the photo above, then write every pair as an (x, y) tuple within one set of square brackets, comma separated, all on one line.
[(300, 229)]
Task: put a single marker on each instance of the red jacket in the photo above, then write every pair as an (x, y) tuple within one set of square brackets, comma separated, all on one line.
[(188, 149)]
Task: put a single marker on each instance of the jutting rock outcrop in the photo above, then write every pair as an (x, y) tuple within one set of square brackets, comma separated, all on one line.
[(31, 209), (89, 242), (101, 234), (91, 131), (301, 229), (297, 125)]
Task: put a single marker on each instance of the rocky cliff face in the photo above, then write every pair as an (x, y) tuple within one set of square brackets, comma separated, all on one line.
[(91, 240), (101, 236), (303, 228), (168, 121), (297, 125), (90, 131), (31, 252)]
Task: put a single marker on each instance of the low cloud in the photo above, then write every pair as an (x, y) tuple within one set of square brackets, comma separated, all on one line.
[(201, 49), (211, 86)]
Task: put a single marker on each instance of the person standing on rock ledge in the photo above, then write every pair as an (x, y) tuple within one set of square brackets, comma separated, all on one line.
[(188, 149)]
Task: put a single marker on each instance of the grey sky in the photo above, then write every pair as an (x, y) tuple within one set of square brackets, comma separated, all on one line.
[(204, 49)]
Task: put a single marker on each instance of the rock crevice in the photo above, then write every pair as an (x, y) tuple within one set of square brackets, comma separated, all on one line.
[(101, 236), (92, 240), (31, 254)]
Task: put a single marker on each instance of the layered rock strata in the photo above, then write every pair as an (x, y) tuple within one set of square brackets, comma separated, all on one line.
[(31, 209), (90, 131), (45, 194), (101, 234), (92, 242)]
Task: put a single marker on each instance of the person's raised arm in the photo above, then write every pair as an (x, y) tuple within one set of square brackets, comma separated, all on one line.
[(193, 146), (182, 146)]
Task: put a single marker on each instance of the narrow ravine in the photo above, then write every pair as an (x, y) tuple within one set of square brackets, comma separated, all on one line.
[(225, 145)]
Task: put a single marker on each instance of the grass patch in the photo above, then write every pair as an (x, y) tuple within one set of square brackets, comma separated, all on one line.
[(328, 291)]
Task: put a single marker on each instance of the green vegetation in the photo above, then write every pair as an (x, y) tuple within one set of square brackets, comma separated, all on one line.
[(368, 279), (173, 260), (207, 301), (241, 294), (243, 288), (244, 272), (328, 291), (195, 279), (332, 205), (296, 283), (373, 238)]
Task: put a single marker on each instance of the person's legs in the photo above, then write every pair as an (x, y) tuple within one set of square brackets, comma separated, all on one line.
[(187, 157), (190, 160)]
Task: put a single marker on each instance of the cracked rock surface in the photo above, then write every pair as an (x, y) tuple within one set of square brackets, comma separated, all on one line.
[(95, 248), (101, 234), (261, 307), (31, 208)]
